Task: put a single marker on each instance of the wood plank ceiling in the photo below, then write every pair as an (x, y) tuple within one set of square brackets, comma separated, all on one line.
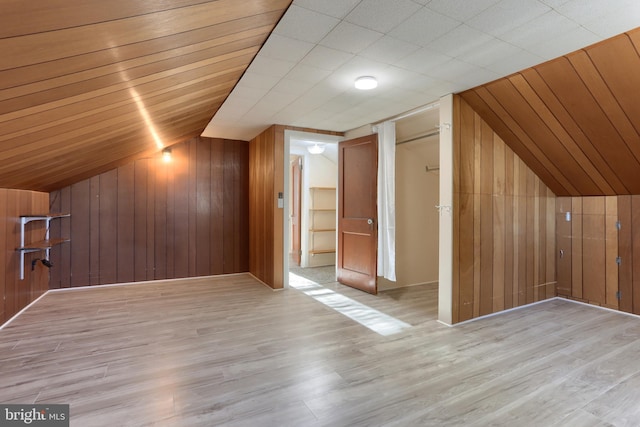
[(574, 120), (86, 86)]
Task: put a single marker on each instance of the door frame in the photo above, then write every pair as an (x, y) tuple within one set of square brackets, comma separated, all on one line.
[(289, 136)]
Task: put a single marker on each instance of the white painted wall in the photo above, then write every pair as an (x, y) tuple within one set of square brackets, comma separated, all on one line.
[(417, 220)]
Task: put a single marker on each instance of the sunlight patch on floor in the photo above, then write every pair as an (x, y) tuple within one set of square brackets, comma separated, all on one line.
[(375, 320)]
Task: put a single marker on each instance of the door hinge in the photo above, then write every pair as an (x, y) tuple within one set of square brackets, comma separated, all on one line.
[(618, 260), (618, 225), (618, 295)]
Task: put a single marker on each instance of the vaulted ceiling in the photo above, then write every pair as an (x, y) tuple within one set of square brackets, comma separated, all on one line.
[(87, 85), (574, 120)]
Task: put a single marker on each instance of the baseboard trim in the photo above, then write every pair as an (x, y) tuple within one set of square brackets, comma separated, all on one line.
[(15, 316), (497, 313)]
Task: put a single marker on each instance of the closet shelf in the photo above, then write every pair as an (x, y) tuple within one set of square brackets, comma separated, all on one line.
[(321, 230), (42, 245)]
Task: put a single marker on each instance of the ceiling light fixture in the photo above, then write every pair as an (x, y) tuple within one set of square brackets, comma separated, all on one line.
[(366, 83), (316, 149), (166, 155)]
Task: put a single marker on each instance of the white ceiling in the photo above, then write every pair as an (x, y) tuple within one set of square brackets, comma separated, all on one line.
[(418, 50)]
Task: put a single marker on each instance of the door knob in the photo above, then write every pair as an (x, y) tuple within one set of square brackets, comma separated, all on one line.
[(370, 221)]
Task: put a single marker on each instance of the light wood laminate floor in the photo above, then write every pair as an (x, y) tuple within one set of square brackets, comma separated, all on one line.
[(229, 351)]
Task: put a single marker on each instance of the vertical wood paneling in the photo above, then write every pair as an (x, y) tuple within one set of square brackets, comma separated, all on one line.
[(150, 244), (15, 294), (625, 251), (576, 244), (551, 266), (635, 248), (150, 220), (160, 222), (504, 224), (203, 207), (4, 277), (222, 208), (80, 233), (564, 248), (263, 164), (107, 226), (140, 219), (455, 276), (181, 211), (611, 252), (126, 226), (593, 249), (94, 224)]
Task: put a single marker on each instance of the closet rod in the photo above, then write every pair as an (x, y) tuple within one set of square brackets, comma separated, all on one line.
[(417, 137)]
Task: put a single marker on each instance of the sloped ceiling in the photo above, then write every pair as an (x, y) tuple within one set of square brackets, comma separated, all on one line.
[(574, 120), (88, 85)]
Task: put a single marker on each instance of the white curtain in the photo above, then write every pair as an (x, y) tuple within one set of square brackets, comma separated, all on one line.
[(387, 200)]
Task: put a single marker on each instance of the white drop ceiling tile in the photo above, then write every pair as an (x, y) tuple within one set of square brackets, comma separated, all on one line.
[(305, 104), (292, 87), (545, 27), (424, 26), (285, 48), (423, 60), (614, 22), (307, 73), (460, 10), (565, 43), (389, 50), (515, 63), (583, 11), (242, 92), (451, 70), (382, 15), (460, 40), (405, 79), (270, 67), (475, 77), (554, 3), (350, 38), (507, 15), (258, 81), (489, 52), (304, 24), (336, 8), (323, 92), (274, 101), (326, 58), (316, 116)]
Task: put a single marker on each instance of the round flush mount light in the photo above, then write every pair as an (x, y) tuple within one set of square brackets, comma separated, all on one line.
[(316, 149), (366, 83)]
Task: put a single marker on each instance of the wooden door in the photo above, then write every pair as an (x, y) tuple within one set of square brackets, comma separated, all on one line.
[(357, 213), (296, 208)]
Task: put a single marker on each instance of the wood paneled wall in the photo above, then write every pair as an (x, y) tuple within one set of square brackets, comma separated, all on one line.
[(15, 294), (85, 81), (152, 220), (504, 223), (266, 180), (574, 120), (266, 221), (591, 242)]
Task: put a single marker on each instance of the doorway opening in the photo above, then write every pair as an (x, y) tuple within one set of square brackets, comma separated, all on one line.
[(312, 213), (310, 222)]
